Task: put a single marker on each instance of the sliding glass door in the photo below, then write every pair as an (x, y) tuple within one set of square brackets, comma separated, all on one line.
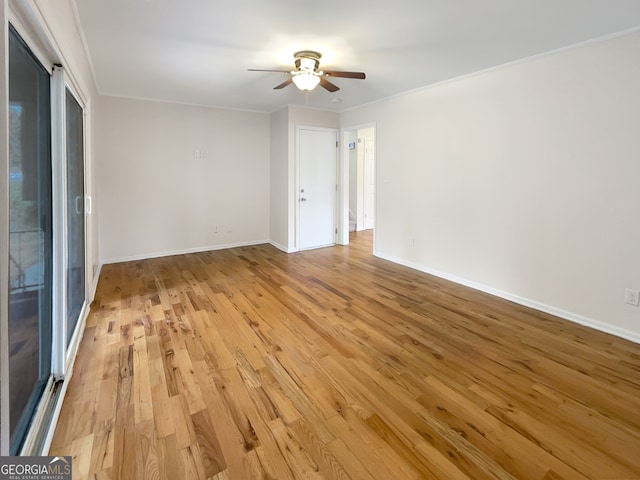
[(75, 212), (30, 243), (46, 261)]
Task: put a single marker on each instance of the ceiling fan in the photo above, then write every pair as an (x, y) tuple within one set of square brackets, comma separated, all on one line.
[(307, 76)]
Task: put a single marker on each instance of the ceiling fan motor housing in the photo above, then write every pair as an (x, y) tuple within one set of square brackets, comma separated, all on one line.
[(307, 60)]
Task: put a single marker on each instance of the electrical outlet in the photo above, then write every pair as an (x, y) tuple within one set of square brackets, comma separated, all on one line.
[(632, 297)]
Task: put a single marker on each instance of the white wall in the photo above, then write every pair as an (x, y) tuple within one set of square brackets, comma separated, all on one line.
[(156, 198), (523, 181), (279, 179)]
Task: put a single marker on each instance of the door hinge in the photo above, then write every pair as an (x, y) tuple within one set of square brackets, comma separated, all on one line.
[(336, 143), (336, 231)]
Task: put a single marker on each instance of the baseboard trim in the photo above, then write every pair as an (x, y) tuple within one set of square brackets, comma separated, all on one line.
[(558, 312), (281, 247), (208, 248), (94, 286)]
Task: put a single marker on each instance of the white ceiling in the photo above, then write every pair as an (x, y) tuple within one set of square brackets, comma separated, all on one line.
[(198, 51)]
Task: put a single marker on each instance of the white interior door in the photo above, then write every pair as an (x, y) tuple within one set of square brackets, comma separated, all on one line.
[(369, 183), (317, 157)]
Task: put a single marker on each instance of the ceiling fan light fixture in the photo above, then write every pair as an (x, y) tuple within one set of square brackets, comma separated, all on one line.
[(306, 80)]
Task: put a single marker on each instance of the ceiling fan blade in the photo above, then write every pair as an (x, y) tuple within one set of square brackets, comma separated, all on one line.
[(258, 70), (327, 85), (283, 84), (335, 73)]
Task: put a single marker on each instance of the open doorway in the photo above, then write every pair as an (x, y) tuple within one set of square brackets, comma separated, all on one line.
[(359, 158)]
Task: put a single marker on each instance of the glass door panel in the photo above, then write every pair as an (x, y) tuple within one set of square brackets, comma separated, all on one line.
[(30, 247), (75, 213)]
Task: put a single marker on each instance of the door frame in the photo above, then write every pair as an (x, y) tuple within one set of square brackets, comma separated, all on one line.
[(4, 234), (368, 223), (66, 351), (63, 352), (297, 182), (343, 215), (20, 16)]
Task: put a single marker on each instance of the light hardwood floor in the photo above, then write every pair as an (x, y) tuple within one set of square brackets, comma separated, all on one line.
[(249, 363)]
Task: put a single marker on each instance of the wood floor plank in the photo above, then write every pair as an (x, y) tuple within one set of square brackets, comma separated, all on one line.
[(328, 465), (207, 440), (250, 363), (237, 448)]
